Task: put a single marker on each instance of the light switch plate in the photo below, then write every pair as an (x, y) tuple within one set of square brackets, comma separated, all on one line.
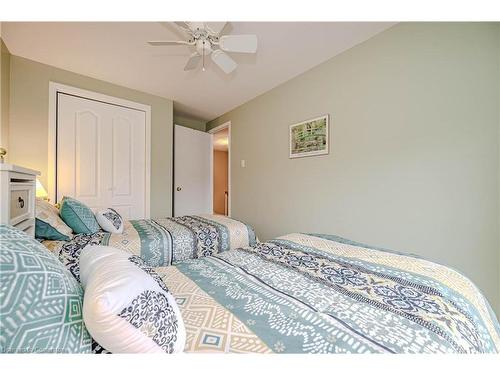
[(243, 163)]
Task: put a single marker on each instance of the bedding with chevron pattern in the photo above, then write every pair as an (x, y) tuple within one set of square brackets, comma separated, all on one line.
[(161, 242), (40, 302), (322, 294)]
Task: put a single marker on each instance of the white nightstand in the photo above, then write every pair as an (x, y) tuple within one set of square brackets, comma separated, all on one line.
[(17, 197)]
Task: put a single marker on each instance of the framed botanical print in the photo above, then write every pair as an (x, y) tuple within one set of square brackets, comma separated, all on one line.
[(309, 138)]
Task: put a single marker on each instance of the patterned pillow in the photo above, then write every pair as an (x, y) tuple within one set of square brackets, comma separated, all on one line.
[(69, 252), (49, 225), (78, 216), (127, 308), (41, 303), (110, 220)]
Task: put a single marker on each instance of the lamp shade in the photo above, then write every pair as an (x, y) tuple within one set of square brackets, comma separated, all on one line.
[(40, 190)]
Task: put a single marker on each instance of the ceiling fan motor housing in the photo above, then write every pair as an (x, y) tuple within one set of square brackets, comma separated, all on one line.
[(203, 46)]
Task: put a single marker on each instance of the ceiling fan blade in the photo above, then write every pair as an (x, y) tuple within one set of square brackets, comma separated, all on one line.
[(193, 61), (238, 43), (222, 59), (215, 28), (193, 26), (184, 26), (169, 43)]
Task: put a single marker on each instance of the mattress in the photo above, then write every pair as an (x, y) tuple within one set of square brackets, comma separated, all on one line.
[(304, 293)]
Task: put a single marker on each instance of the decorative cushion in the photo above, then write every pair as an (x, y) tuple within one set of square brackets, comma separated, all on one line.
[(110, 220), (69, 252), (78, 216), (49, 225), (127, 308), (41, 303)]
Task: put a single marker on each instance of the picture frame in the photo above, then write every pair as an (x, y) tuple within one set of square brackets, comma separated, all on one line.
[(309, 138)]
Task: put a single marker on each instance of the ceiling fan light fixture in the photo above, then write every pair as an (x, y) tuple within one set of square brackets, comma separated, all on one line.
[(205, 37)]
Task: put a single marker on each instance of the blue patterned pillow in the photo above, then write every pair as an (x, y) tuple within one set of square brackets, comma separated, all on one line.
[(78, 216), (110, 220), (41, 309)]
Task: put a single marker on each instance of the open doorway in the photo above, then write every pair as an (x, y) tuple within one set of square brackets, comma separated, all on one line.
[(222, 169)]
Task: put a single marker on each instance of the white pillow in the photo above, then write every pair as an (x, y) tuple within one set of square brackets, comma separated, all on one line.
[(127, 308), (110, 220)]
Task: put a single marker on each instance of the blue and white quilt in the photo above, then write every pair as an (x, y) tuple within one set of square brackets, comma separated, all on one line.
[(321, 294), (163, 241)]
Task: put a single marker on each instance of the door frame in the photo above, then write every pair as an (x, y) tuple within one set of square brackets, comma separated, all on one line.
[(215, 130), (54, 89)]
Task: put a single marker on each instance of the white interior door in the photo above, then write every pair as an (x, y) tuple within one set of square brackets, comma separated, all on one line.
[(101, 158), (192, 172)]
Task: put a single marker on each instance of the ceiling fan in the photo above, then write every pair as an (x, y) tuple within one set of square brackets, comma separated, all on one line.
[(206, 38)]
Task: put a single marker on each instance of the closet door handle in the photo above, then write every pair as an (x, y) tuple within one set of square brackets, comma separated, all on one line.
[(21, 202), (178, 188)]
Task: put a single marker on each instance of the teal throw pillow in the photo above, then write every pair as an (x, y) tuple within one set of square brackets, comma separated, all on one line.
[(78, 216)]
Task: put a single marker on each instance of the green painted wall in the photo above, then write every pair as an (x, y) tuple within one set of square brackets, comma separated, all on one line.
[(29, 105), (190, 122), (4, 96), (414, 161), (498, 311)]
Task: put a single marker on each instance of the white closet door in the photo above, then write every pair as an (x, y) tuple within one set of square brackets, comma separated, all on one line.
[(101, 155), (126, 176)]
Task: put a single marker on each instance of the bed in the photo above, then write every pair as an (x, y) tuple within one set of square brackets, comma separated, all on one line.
[(309, 293), (300, 293), (163, 241)]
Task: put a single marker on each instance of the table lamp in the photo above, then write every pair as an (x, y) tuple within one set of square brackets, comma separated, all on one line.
[(40, 191)]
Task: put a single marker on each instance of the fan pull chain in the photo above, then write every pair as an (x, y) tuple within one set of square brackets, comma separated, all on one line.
[(203, 57)]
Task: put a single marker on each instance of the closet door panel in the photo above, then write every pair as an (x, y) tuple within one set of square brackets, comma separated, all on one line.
[(87, 155), (101, 155), (79, 151), (66, 158), (122, 157), (128, 163)]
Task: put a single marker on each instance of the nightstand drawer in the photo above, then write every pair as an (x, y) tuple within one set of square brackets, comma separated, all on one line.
[(21, 201), (28, 226), (17, 197)]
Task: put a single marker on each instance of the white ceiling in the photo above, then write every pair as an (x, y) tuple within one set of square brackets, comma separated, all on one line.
[(117, 52)]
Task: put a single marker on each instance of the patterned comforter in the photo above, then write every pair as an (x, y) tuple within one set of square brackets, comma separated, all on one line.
[(161, 242), (323, 294)]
